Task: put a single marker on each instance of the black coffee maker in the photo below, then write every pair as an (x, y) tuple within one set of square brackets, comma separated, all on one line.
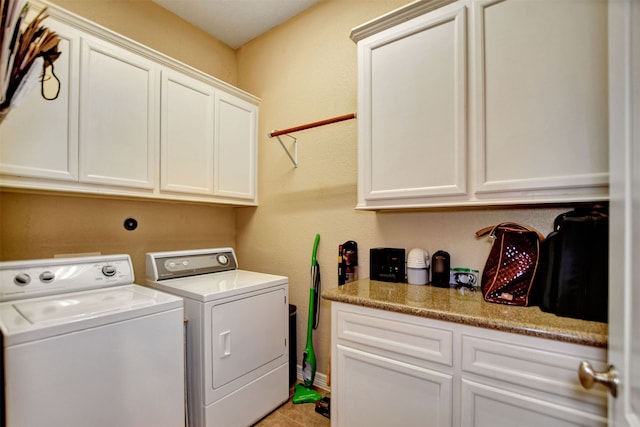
[(440, 266)]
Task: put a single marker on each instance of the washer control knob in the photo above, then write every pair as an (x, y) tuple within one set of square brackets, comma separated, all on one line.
[(109, 270), (185, 263), (172, 264), (223, 259), (47, 277), (22, 279)]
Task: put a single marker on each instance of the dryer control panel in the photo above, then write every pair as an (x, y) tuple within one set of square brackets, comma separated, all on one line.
[(171, 265)]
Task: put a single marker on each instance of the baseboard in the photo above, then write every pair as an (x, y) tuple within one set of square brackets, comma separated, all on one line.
[(320, 380)]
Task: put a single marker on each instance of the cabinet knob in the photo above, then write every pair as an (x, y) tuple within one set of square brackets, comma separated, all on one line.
[(609, 378)]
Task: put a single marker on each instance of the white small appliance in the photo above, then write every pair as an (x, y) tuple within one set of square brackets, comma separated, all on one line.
[(84, 346), (418, 266), (237, 334)]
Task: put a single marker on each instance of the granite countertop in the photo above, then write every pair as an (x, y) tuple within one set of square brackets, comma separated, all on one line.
[(467, 307)]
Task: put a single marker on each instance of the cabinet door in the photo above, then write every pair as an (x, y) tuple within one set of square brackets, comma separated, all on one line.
[(378, 391), (540, 91), (187, 136), (118, 116), (412, 110), (488, 406), (39, 138), (235, 148)]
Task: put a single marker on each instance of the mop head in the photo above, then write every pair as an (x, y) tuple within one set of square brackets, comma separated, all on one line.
[(302, 394)]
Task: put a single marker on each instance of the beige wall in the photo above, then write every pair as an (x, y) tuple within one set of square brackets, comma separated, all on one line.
[(305, 71), (42, 226)]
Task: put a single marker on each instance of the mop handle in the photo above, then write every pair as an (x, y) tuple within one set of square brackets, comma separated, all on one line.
[(315, 251)]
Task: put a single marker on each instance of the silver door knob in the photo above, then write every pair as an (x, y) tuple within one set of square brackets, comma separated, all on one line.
[(588, 377)]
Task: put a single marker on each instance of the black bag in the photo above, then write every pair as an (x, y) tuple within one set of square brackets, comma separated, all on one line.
[(573, 280)]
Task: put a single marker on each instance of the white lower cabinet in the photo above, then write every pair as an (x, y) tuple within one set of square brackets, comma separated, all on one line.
[(386, 392), (496, 407), (397, 369)]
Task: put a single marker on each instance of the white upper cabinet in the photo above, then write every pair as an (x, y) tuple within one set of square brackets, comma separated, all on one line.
[(477, 102), (39, 139), (131, 122), (412, 109), (186, 160), (540, 98), (208, 143), (236, 148), (118, 115)]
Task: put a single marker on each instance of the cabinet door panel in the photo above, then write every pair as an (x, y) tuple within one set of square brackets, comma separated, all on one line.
[(39, 138), (377, 391), (187, 136), (399, 338), (118, 116), (535, 366), (413, 114), (487, 406), (235, 148), (541, 95)]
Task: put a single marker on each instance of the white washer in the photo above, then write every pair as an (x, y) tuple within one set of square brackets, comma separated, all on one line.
[(237, 334), (95, 350)]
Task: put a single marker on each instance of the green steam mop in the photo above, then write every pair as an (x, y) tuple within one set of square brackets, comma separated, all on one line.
[(304, 393)]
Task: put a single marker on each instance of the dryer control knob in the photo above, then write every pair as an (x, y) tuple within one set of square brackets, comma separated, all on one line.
[(223, 259), (109, 270), (22, 279)]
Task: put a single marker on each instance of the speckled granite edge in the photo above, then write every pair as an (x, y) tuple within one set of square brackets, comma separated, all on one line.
[(468, 307)]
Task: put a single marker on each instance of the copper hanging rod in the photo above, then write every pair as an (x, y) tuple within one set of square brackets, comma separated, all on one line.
[(312, 125)]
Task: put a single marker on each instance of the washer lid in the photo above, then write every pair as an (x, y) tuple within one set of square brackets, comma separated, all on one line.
[(214, 286), (37, 318)]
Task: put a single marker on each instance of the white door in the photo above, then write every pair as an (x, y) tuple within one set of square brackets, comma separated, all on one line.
[(624, 265)]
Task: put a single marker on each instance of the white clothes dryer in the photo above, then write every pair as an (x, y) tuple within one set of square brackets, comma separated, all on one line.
[(84, 346), (237, 334)]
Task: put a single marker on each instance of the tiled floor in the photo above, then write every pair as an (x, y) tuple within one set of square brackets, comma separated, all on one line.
[(294, 415)]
